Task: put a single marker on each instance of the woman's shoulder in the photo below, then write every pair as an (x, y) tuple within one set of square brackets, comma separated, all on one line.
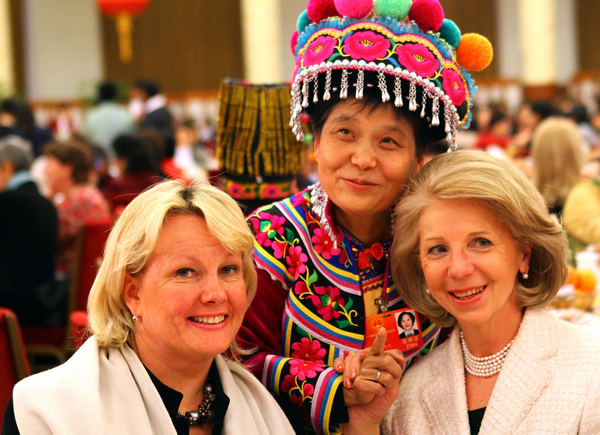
[(65, 377), (250, 401), (278, 208)]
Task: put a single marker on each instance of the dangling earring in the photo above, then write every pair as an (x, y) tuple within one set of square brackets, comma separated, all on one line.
[(525, 275)]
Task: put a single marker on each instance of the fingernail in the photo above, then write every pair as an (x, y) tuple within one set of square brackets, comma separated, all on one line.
[(353, 374)]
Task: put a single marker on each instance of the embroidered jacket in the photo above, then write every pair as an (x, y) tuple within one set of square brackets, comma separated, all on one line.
[(312, 310)]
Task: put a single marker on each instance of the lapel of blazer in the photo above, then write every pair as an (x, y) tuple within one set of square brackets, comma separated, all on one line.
[(525, 374), (444, 399)]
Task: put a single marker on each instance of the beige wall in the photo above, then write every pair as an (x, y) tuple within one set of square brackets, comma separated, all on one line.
[(63, 50), (6, 55)]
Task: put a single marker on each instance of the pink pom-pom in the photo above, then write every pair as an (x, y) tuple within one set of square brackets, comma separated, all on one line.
[(320, 9), (294, 42), (354, 8), (428, 14)]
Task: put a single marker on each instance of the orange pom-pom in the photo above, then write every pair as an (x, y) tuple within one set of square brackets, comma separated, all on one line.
[(474, 52)]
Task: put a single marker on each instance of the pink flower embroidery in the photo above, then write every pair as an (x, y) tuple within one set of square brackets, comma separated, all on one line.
[(323, 245), (333, 302), (308, 389), (295, 260), (278, 249), (300, 288), (453, 86), (319, 50), (299, 200), (261, 237), (276, 222), (366, 45), (308, 349), (417, 58), (303, 369), (271, 191)]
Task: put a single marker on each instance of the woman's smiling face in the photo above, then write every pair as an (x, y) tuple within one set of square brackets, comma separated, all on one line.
[(190, 297), (364, 157), (470, 260)]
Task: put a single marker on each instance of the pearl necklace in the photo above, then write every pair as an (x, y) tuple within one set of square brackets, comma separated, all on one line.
[(485, 366)]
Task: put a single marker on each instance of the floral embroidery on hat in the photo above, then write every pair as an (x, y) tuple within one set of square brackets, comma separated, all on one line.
[(366, 45), (418, 58)]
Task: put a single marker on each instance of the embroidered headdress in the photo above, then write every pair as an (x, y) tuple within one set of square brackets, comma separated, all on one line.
[(407, 49)]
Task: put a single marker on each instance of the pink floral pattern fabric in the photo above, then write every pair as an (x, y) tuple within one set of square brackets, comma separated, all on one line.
[(366, 45), (419, 59)]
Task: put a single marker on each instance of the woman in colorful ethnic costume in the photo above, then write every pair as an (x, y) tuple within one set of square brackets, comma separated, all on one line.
[(377, 91)]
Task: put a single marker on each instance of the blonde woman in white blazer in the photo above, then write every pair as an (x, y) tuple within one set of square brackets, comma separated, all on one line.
[(476, 249)]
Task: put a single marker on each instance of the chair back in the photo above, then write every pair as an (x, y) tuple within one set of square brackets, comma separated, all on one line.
[(14, 366), (89, 252)]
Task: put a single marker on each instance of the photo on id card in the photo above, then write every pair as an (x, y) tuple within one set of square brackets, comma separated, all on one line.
[(402, 327)]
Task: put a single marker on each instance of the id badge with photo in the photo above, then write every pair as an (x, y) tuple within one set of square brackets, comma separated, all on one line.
[(402, 327)]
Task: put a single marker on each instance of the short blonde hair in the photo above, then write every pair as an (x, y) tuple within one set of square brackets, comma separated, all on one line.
[(558, 157), (506, 191), (134, 237)]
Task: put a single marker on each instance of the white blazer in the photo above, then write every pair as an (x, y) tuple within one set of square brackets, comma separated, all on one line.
[(550, 384)]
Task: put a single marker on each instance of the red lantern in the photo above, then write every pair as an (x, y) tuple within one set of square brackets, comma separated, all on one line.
[(123, 10)]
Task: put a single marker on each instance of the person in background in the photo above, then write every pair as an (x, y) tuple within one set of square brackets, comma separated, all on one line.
[(476, 248), (530, 114), (579, 113), (155, 114), (186, 145), (322, 255), (163, 151), (558, 156), (137, 171), (497, 134), (107, 119), (68, 166), (28, 241), (169, 297), (18, 116)]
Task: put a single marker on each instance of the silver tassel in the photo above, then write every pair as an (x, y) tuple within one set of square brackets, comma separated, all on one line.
[(316, 89), (435, 110), (412, 97), (385, 96), (344, 86), (318, 202), (305, 92), (327, 93), (360, 83), (447, 116), (398, 92), (423, 103)]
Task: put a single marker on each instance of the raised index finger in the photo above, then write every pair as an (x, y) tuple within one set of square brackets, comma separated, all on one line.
[(379, 342)]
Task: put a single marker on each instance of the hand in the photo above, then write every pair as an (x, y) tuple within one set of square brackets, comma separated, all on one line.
[(371, 379)]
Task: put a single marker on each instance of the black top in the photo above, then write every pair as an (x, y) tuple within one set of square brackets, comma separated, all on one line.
[(171, 399), (475, 419)]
